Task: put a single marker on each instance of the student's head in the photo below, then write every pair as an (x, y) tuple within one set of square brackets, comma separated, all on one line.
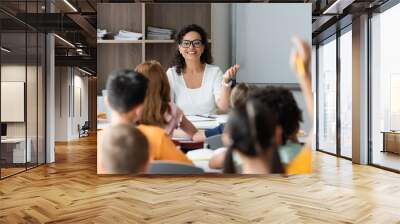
[(125, 150), (158, 93), (240, 94), (282, 103), (126, 91), (252, 132), (193, 44)]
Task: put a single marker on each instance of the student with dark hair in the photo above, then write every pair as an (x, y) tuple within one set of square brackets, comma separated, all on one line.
[(252, 136), (126, 91), (301, 60), (296, 158), (197, 86), (284, 108), (281, 102), (119, 157)]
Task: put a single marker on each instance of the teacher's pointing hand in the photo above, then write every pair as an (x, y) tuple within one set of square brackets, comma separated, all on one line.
[(231, 73)]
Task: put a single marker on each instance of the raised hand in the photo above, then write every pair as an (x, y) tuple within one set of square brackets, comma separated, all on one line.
[(301, 58), (231, 73), (300, 61)]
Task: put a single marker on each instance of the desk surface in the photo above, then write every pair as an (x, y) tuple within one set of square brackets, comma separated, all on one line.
[(391, 132), (200, 158), (14, 140), (101, 124), (207, 121)]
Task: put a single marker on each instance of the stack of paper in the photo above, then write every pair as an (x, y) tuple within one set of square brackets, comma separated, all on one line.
[(155, 33), (204, 121), (127, 35), (200, 154), (101, 33)]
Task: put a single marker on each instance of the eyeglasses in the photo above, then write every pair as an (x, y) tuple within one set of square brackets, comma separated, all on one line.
[(195, 43)]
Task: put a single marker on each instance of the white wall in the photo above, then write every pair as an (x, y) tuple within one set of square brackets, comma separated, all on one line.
[(71, 94)]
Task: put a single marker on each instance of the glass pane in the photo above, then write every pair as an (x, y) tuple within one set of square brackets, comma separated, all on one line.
[(346, 94), (31, 98), (327, 97), (386, 89), (13, 86)]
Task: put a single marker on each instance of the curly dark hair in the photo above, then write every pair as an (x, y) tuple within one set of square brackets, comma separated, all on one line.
[(251, 128), (179, 61), (281, 101)]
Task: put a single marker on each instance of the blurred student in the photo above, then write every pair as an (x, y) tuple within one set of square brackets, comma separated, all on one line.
[(158, 110), (253, 136), (238, 97), (282, 103), (296, 158), (125, 150), (300, 61), (126, 91)]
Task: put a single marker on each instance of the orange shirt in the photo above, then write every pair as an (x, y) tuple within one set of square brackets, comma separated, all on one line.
[(161, 147), (302, 163)]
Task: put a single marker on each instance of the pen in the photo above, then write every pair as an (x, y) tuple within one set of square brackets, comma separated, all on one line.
[(206, 116)]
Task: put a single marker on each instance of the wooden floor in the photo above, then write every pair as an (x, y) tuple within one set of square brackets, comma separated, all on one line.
[(10, 171), (386, 159), (69, 191)]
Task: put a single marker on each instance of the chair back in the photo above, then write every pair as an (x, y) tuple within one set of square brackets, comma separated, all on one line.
[(162, 167)]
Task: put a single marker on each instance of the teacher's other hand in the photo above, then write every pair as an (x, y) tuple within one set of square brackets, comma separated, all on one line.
[(231, 73)]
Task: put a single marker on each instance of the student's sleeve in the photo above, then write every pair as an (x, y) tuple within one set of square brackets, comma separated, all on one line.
[(171, 153), (214, 131), (217, 85), (171, 83)]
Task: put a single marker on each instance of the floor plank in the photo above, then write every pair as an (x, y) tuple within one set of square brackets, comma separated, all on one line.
[(69, 191)]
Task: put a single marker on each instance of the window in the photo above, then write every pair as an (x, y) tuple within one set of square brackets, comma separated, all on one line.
[(346, 93), (22, 101), (385, 88), (327, 96)]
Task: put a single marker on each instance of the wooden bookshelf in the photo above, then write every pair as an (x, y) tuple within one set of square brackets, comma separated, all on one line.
[(136, 17), (100, 41), (119, 41)]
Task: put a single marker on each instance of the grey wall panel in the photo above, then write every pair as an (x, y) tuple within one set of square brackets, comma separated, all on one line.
[(263, 39)]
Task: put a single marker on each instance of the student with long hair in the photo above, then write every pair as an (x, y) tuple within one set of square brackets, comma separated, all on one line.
[(253, 137), (158, 110)]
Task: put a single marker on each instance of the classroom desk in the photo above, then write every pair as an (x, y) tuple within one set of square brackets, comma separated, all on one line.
[(187, 146), (207, 121), (101, 124), (200, 158), (391, 141), (13, 150)]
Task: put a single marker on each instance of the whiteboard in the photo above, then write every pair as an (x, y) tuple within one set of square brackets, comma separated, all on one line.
[(12, 101), (262, 39)]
